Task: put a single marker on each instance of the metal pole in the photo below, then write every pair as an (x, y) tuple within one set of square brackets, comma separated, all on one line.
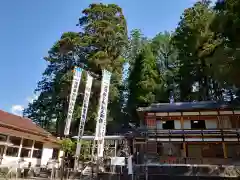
[(92, 157), (115, 150), (62, 165)]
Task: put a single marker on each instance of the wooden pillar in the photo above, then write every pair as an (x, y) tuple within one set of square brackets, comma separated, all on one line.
[(115, 147), (134, 146), (184, 144), (32, 149), (184, 150), (20, 148), (224, 149), (6, 146), (182, 123), (237, 123)]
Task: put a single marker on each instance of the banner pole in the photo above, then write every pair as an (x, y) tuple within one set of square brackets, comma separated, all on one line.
[(102, 117), (87, 94)]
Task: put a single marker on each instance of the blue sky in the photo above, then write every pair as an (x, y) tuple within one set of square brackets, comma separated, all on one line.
[(29, 28)]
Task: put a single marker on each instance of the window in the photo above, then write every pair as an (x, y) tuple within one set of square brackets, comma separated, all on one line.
[(3, 137), (37, 154), (12, 151), (198, 124), (38, 145), (110, 143), (25, 153), (16, 141), (27, 143), (169, 124), (55, 153)]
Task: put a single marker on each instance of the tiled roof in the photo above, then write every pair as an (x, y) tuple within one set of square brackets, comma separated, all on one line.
[(20, 122), (20, 125), (188, 106)]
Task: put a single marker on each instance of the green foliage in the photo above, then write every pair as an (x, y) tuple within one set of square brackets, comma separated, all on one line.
[(68, 146), (168, 64), (143, 81), (85, 150), (99, 47), (226, 26), (194, 41)]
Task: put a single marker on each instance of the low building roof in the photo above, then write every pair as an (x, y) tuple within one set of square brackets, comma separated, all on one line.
[(14, 125), (105, 137)]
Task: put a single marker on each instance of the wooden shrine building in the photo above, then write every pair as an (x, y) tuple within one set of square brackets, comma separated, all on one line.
[(190, 133)]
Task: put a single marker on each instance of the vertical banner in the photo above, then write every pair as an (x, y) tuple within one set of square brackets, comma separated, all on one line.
[(84, 111), (102, 113), (73, 96), (130, 165)]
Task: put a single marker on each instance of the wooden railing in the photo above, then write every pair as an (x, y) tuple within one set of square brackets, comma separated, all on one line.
[(193, 131), (193, 160), (185, 134)]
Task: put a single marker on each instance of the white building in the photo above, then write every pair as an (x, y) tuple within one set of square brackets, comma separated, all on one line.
[(20, 138)]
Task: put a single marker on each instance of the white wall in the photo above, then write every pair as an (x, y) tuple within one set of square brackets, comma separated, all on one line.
[(225, 122), (159, 124), (187, 124), (211, 124), (46, 154), (9, 160), (177, 124)]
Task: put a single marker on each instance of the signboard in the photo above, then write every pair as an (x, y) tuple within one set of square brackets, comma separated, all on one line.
[(73, 96), (84, 111), (102, 113), (118, 161)]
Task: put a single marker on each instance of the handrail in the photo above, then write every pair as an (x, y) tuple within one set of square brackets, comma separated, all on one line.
[(196, 160), (193, 131)]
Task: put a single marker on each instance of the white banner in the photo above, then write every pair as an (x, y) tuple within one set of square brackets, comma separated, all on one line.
[(130, 165), (102, 113), (84, 111), (73, 97)]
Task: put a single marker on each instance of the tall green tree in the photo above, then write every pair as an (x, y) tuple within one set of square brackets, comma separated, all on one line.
[(105, 34), (167, 60), (98, 46), (55, 86), (196, 44), (226, 58), (135, 44), (143, 81)]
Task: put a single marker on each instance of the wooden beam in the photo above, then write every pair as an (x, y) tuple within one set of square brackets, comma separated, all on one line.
[(224, 150), (184, 150), (182, 123)]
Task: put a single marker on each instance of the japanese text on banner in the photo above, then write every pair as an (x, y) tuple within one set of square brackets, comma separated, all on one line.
[(73, 97), (84, 112), (102, 113)]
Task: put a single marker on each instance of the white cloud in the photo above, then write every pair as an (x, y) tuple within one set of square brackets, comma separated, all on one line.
[(17, 110), (32, 98)]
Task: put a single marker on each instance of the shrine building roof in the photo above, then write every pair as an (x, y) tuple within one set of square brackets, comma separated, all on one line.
[(190, 106)]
